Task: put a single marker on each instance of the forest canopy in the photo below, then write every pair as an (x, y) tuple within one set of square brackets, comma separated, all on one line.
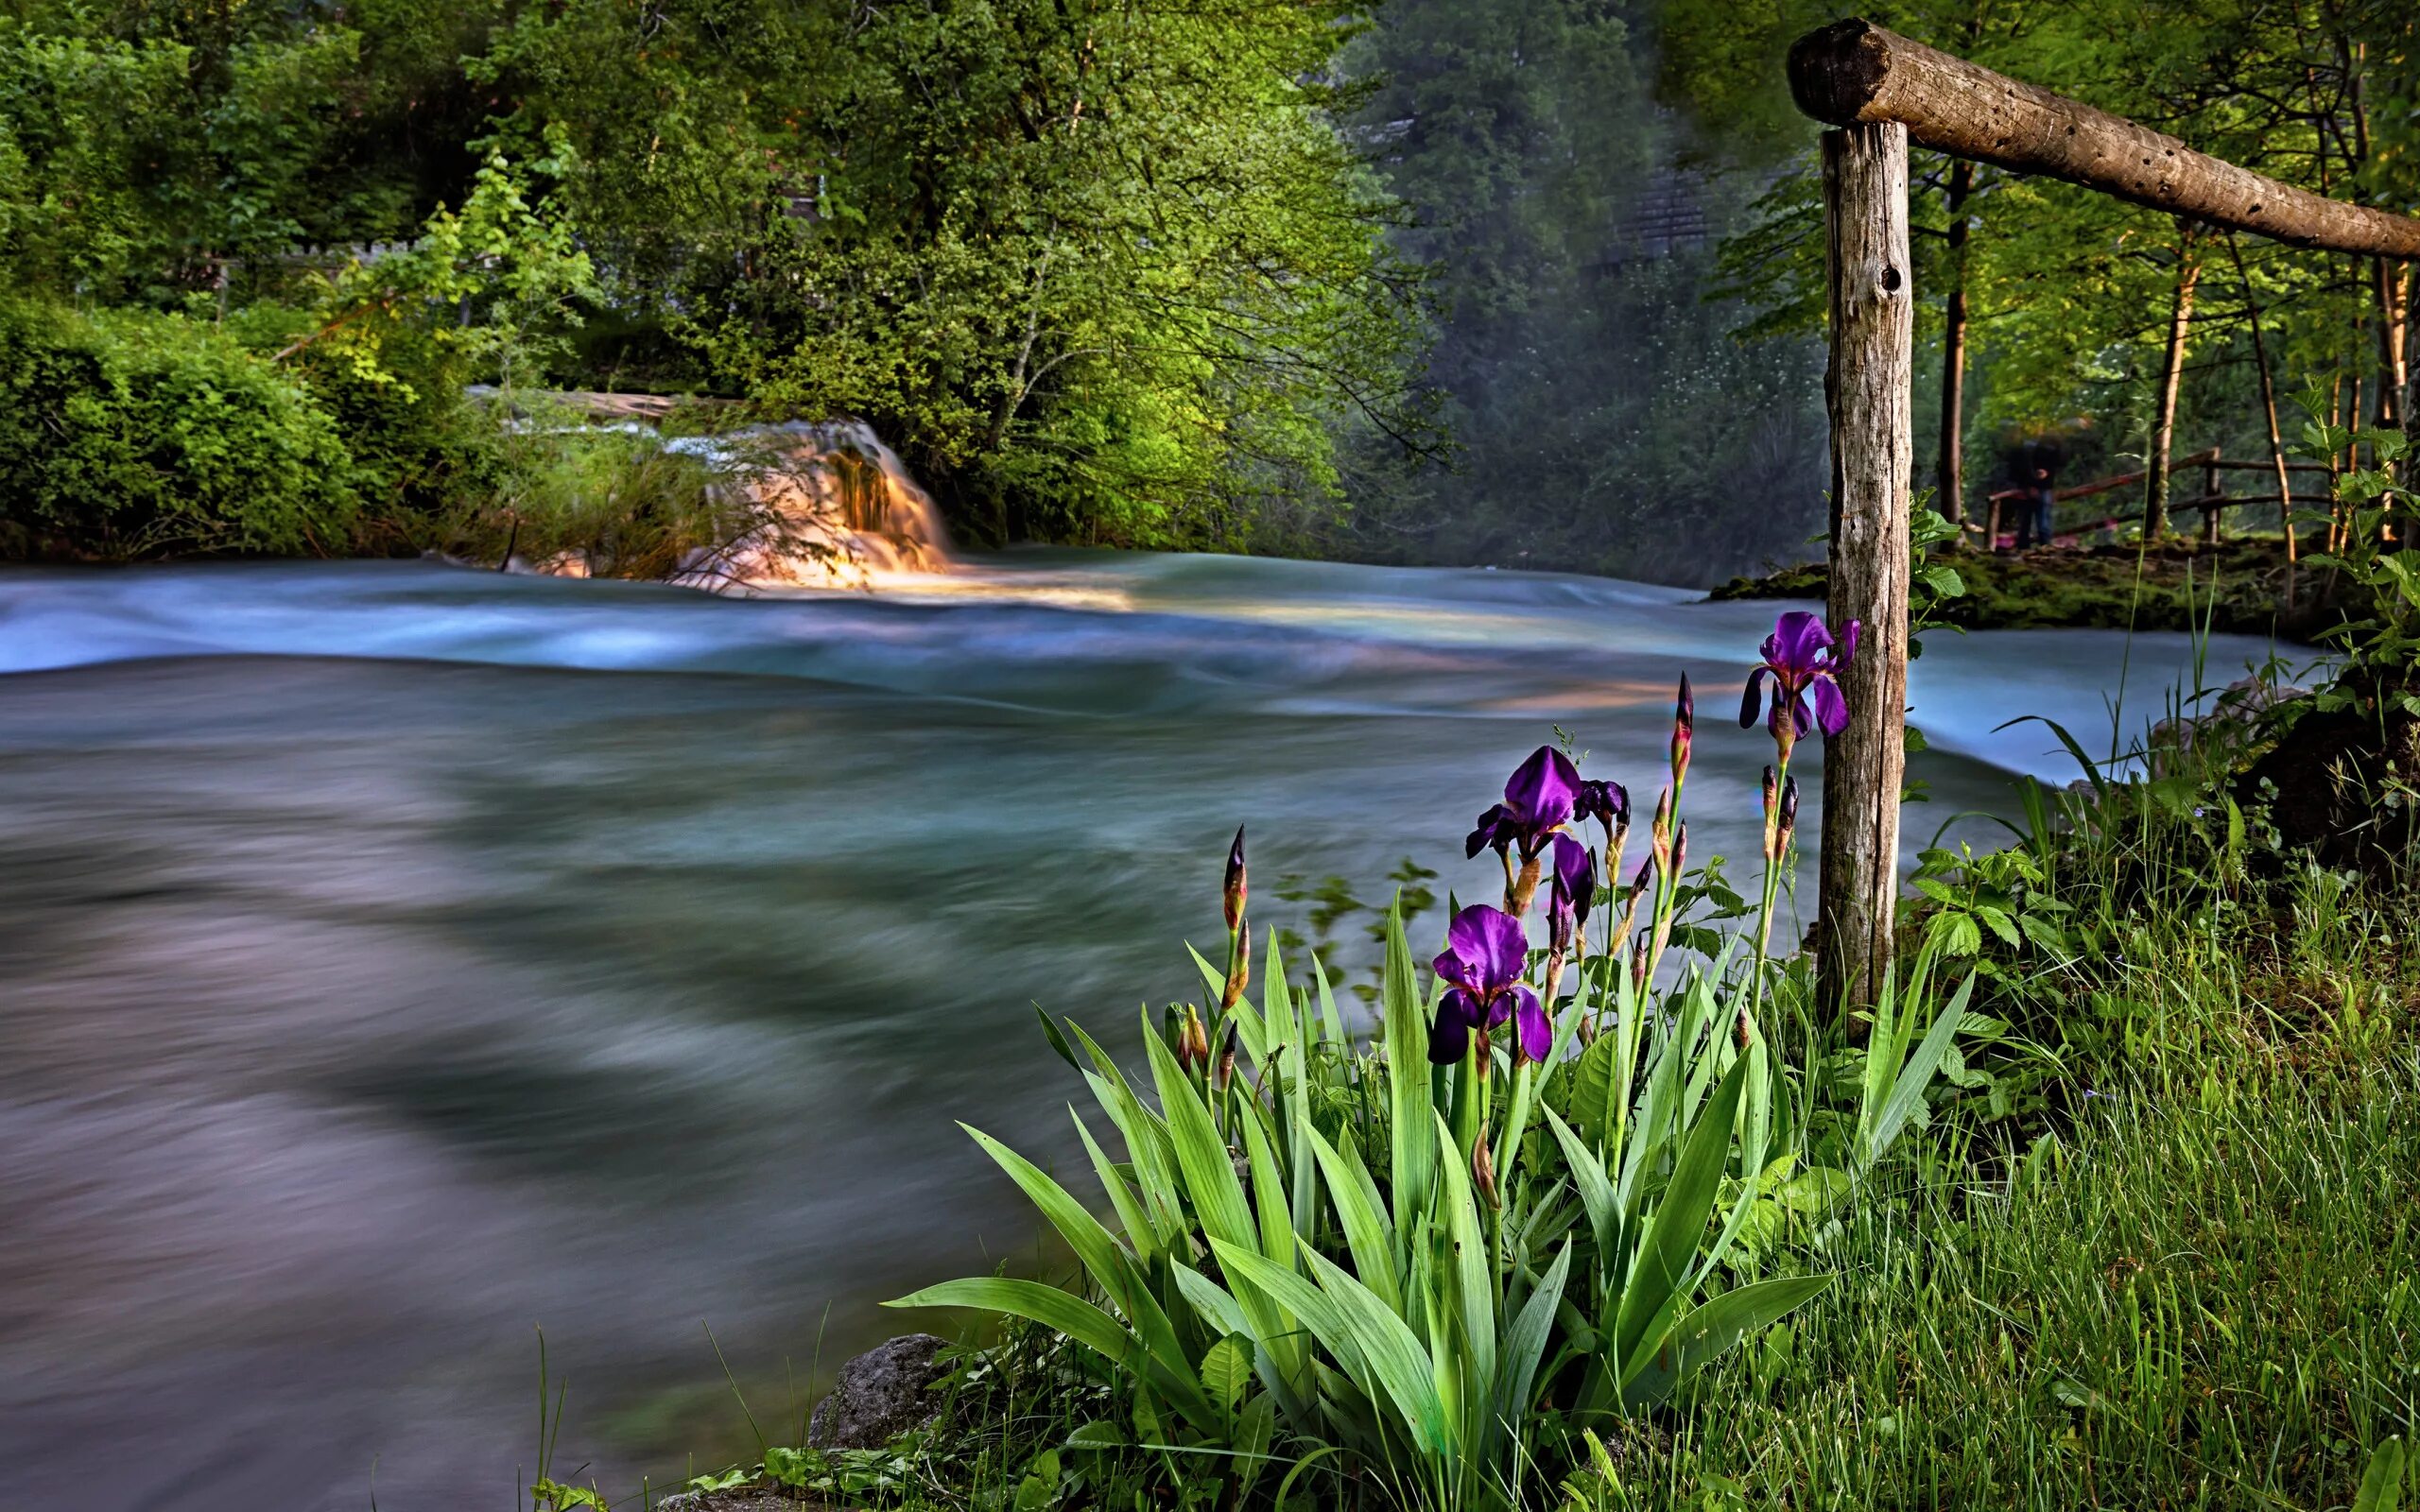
[(1520, 281)]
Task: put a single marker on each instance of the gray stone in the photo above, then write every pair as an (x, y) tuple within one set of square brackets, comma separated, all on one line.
[(881, 1393)]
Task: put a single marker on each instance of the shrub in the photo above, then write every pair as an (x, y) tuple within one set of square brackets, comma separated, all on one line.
[(134, 434), (1515, 1220)]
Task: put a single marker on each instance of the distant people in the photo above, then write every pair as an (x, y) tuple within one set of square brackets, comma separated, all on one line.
[(2036, 471)]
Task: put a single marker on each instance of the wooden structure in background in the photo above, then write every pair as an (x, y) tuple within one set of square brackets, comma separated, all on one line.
[(1878, 91), (2211, 504)]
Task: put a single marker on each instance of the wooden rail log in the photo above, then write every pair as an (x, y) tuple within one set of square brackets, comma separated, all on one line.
[(1853, 73)]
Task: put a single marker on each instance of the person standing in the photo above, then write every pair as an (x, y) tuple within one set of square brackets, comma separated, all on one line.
[(2037, 469)]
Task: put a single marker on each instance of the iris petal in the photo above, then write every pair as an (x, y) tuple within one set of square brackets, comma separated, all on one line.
[(1536, 1030), (1540, 793), (1799, 637), (1754, 698), (1831, 710), (1449, 1038), (1496, 829), (1575, 871), (1485, 950)]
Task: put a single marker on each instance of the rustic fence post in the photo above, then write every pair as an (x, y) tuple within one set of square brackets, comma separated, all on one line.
[(1868, 387)]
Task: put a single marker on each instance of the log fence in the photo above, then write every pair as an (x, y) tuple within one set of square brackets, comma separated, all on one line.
[(1878, 92)]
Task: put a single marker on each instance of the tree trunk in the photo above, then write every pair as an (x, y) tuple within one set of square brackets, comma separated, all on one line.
[(2388, 287), (2269, 408), (1868, 387), (1953, 354), (2172, 379)]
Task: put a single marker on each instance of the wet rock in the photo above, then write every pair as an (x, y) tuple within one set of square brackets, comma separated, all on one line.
[(881, 1393), (743, 1498)]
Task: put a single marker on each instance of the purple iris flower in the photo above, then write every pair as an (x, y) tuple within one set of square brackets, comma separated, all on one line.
[(1485, 953), (1805, 664), (1572, 892), (1601, 801), (1538, 800)]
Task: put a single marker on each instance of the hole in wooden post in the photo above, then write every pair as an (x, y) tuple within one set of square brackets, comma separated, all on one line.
[(1891, 281)]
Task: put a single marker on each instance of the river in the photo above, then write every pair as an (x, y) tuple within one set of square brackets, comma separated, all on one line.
[(397, 959)]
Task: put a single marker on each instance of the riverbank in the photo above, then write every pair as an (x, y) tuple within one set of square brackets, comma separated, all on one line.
[(2149, 1240), (2234, 587)]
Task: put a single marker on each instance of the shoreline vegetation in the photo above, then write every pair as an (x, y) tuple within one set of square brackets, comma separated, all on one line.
[(2105, 1203), (2234, 587)]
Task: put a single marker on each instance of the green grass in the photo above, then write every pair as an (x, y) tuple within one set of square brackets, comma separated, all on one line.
[(2200, 1299)]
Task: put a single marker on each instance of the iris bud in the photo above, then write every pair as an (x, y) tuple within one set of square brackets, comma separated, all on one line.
[(1239, 970), (1787, 818), (1484, 1170), (1684, 711), (1772, 811), (1235, 885)]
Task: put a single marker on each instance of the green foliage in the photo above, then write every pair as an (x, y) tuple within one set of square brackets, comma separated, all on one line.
[(1331, 1250), (128, 434), (1096, 272)]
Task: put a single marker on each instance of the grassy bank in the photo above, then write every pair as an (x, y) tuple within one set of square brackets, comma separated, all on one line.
[(2236, 587)]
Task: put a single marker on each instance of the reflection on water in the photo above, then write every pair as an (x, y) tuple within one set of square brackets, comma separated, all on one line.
[(396, 957)]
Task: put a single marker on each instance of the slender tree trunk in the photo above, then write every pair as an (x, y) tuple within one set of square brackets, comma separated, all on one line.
[(1953, 354), (1867, 385), (2388, 287), (2268, 407), (2171, 380)]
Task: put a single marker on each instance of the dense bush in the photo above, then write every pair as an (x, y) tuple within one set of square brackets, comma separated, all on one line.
[(131, 434)]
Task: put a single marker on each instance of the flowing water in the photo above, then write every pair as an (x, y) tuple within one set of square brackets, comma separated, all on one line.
[(395, 958)]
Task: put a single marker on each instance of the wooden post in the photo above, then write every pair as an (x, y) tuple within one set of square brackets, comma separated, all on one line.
[(1868, 387), (2212, 528)]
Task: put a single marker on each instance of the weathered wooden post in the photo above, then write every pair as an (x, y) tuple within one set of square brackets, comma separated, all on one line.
[(1869, 388), (1881, 91)]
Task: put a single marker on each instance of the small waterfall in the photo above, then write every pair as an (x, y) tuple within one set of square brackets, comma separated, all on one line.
[(830, 506), (811, 503)]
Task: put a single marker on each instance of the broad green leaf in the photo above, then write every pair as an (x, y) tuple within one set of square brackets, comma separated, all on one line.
[(1269, 1195), (1714, 1328), (1524, 1344), (1201, 1159), (1469, 1273), (1071, 1316), (1226, 1371), (1595, 1188), (1139, 1233), (1409, 1102), (1908, 1093), (1373, 1345), (2382, 1482), (1673, 1237), (1212, 1300), (1331, 1022), (1058, 1041), (1365, 1231)]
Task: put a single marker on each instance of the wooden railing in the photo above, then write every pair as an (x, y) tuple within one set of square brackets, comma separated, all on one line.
[(2212, 504)]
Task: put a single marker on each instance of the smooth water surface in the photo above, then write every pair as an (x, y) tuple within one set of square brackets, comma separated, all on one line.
[(394, 958)]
